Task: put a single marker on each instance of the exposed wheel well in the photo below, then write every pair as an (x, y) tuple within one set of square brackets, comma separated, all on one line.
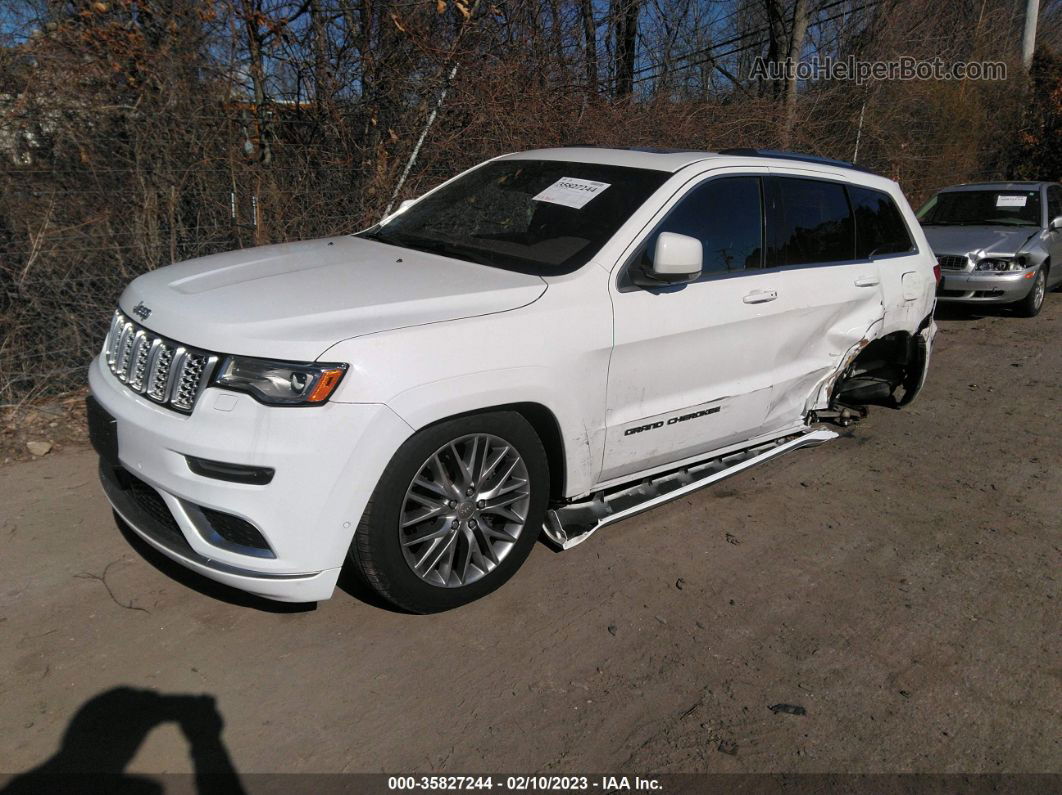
[(548, 429), (887, 372)]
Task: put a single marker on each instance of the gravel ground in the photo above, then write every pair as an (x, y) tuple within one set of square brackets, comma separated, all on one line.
[(896, 588)]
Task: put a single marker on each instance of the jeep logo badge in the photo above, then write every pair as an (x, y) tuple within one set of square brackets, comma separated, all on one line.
[(141, 311)]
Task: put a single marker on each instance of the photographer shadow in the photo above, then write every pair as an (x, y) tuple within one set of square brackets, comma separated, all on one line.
[(105, 733)]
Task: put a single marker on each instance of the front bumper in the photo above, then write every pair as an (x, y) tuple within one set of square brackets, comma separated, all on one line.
[(327, 461), (165, 535), (985, 287)]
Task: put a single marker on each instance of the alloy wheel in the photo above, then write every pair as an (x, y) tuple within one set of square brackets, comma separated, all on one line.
[(1039, 290), (464, 510)]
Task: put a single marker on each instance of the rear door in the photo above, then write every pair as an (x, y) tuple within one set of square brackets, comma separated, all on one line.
[(882, 235), (833, 297)]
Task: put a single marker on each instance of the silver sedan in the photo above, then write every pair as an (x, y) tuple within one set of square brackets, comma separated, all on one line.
[(997, 242)]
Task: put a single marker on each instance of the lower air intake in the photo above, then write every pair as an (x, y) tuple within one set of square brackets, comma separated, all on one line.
[(235, 530)]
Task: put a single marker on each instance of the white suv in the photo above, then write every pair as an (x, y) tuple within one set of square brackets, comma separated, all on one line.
[(551, 341)]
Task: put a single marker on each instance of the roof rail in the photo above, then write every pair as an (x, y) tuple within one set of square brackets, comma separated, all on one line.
[(824, 161), (652, 150)]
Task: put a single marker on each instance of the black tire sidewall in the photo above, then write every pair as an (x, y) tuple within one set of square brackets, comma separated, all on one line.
[(380, 543)]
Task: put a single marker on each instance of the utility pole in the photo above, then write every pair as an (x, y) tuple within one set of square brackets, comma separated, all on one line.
[(1028, 38)]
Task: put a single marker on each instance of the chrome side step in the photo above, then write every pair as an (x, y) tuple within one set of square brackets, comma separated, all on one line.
[(570, 525)]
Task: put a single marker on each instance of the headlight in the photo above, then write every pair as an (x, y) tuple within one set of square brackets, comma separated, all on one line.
[(280, 383), (1016, 264)]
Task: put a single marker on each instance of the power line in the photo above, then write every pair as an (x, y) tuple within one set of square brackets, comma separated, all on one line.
[(711, 57), (707, 50)]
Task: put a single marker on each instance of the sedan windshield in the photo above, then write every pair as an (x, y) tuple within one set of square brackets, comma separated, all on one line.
[(982, 208), (545, 217)]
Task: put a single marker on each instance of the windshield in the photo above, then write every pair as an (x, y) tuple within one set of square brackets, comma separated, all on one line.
[(982, 208), (544, 217)]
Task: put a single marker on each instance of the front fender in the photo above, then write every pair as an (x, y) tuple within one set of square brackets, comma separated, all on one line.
[(429, 403)]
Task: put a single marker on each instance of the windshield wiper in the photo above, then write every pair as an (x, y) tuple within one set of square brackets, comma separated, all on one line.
[(447, 249), (380, 237), (429, 246)]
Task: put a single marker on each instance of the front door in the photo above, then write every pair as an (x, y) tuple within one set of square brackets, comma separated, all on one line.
[(690, 366)]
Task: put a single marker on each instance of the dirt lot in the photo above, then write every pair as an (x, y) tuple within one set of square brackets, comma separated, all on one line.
[(899, 584)]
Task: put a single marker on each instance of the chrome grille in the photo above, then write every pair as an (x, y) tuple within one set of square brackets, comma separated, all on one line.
[(950, 262), (158, 368), (138, 368), (159, 377), (186, 383)]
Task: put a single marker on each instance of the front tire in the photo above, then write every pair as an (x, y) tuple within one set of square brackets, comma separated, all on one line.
[(1031, 304), (455, 514)]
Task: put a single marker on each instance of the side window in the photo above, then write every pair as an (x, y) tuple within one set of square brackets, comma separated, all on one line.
[(726, 215), (879, 227), (1054, 202), (810, 222)]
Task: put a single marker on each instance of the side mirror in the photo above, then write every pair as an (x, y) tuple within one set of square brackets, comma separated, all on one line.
[(1056, 223), (405, 204), (677, 259)]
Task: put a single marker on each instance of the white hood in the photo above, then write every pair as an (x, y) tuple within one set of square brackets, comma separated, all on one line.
[(295, 300)]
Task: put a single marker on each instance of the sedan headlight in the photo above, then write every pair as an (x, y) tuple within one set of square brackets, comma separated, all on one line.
[(1016, 264), (280, 383)]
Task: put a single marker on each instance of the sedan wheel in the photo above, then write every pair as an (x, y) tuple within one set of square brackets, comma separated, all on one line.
[(1031, 305)]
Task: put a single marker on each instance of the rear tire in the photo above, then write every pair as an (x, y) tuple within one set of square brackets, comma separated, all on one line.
[(1031, 304), (455, 514)]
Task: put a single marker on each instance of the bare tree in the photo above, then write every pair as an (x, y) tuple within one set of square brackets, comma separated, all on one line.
[(138, 134), (796, 48), (586, 14), (625, 19)]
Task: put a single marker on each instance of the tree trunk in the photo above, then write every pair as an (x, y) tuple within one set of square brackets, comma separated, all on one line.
[(796, 48), (251, 14), (626, 46), (775, 36), (322, 78), (590, 45)]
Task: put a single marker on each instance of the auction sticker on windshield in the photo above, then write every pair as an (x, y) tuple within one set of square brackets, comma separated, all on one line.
[(571, 192), (1010, 201)]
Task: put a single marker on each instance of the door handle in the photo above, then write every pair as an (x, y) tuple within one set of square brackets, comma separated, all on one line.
[(867, 281), (760, 296)]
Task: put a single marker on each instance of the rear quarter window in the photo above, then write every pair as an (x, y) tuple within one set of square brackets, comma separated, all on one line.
[(879, 225)]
